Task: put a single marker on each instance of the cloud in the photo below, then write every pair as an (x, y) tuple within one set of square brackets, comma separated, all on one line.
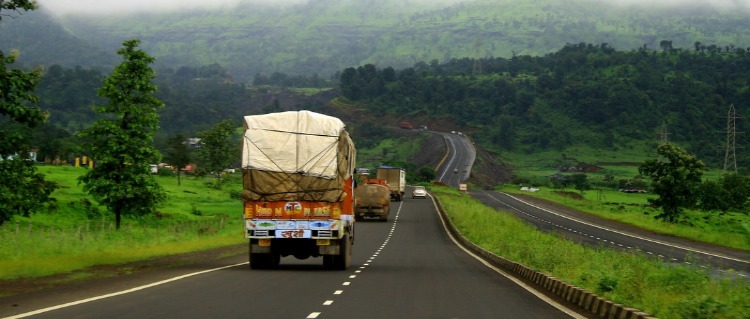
[(64, 7), (718, 3)]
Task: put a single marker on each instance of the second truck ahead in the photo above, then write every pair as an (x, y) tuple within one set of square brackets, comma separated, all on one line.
[(298, 188), (373, 200), (396, 179)]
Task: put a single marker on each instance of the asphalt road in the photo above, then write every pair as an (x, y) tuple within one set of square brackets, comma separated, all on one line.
[(590, 230), (405, 268), (458, 162)]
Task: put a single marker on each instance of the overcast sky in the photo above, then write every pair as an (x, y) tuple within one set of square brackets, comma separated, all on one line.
[(62, 7)]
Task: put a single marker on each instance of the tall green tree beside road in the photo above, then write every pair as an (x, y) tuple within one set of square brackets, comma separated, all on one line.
[(675, 178), (218, 150), (121, 144), (177, 154), (22, 189)]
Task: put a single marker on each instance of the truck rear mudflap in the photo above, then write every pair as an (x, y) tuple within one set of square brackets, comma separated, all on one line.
[(336, 253)]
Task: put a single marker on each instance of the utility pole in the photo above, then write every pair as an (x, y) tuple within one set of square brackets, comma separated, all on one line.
[(730, 156)]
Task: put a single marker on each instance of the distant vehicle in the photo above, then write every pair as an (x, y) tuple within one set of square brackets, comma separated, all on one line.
[(406, 125), (373, 200), (453, 132), (455, 170), (419, 192), (396, 179)]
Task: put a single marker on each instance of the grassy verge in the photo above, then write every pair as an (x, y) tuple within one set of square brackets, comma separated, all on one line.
[(666, 291), (728, 229), (76, 233), (725, 229)]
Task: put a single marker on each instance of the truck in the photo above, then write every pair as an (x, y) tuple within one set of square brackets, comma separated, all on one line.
[(405, 125), (373, 199), (396, 179), (298, 188)]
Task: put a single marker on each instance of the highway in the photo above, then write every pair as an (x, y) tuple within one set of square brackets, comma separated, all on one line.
[(457, 164), (408, 267), (591, 230)]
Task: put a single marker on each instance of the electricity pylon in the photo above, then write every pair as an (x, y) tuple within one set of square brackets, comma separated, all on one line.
[(477, 70), (730, 156)]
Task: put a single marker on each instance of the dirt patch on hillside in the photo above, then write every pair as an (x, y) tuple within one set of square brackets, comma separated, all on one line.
[(432, 152), (485, 173), (488, 171)]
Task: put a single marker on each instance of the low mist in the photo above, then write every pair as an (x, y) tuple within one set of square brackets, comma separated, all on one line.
[(108, 7)]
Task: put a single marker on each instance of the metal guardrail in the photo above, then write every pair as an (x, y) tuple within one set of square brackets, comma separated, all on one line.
[(574, 296)]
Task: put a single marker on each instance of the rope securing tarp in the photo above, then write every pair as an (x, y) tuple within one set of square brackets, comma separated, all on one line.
[(296, 155)]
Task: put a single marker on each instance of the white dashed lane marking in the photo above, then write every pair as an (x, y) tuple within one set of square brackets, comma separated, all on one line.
[(359, 270)]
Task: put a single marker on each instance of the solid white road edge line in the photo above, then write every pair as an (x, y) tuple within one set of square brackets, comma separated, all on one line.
[(690, 249), (78, 302), (518, 282)]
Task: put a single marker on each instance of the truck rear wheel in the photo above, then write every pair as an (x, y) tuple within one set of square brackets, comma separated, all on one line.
[(384, 217), (260, 261), (343, 259), (386, 212), (264, 260)]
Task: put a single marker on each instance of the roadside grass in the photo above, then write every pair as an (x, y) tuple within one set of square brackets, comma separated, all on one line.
[(76, 233), (633, 279), (725, 229)]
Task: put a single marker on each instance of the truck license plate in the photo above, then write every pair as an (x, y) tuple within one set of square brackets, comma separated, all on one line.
[(264, 242), (324, 242)]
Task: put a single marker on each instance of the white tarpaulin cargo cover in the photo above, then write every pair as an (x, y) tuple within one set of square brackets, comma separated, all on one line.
[(295, 155)]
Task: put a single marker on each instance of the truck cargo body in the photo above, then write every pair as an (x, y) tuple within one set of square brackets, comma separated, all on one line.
[(297, 188), (396, 179), (372, 200)]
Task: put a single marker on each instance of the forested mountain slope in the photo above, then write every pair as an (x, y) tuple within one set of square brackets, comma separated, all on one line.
[(583, 94), (323, 37)]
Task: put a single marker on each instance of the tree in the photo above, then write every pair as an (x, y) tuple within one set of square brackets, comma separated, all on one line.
[(16, 5), (425, 174), (121, 143), (217, 148), (580, 182), (22, 189), (711, 196), (675, 178), (666, 45), (178, 154), (737, 188)]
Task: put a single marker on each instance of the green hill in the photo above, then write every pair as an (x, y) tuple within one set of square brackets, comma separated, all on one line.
[(324, 37)]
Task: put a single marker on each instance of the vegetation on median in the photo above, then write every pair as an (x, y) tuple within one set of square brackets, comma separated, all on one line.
[(721, 229), (633, 279)]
